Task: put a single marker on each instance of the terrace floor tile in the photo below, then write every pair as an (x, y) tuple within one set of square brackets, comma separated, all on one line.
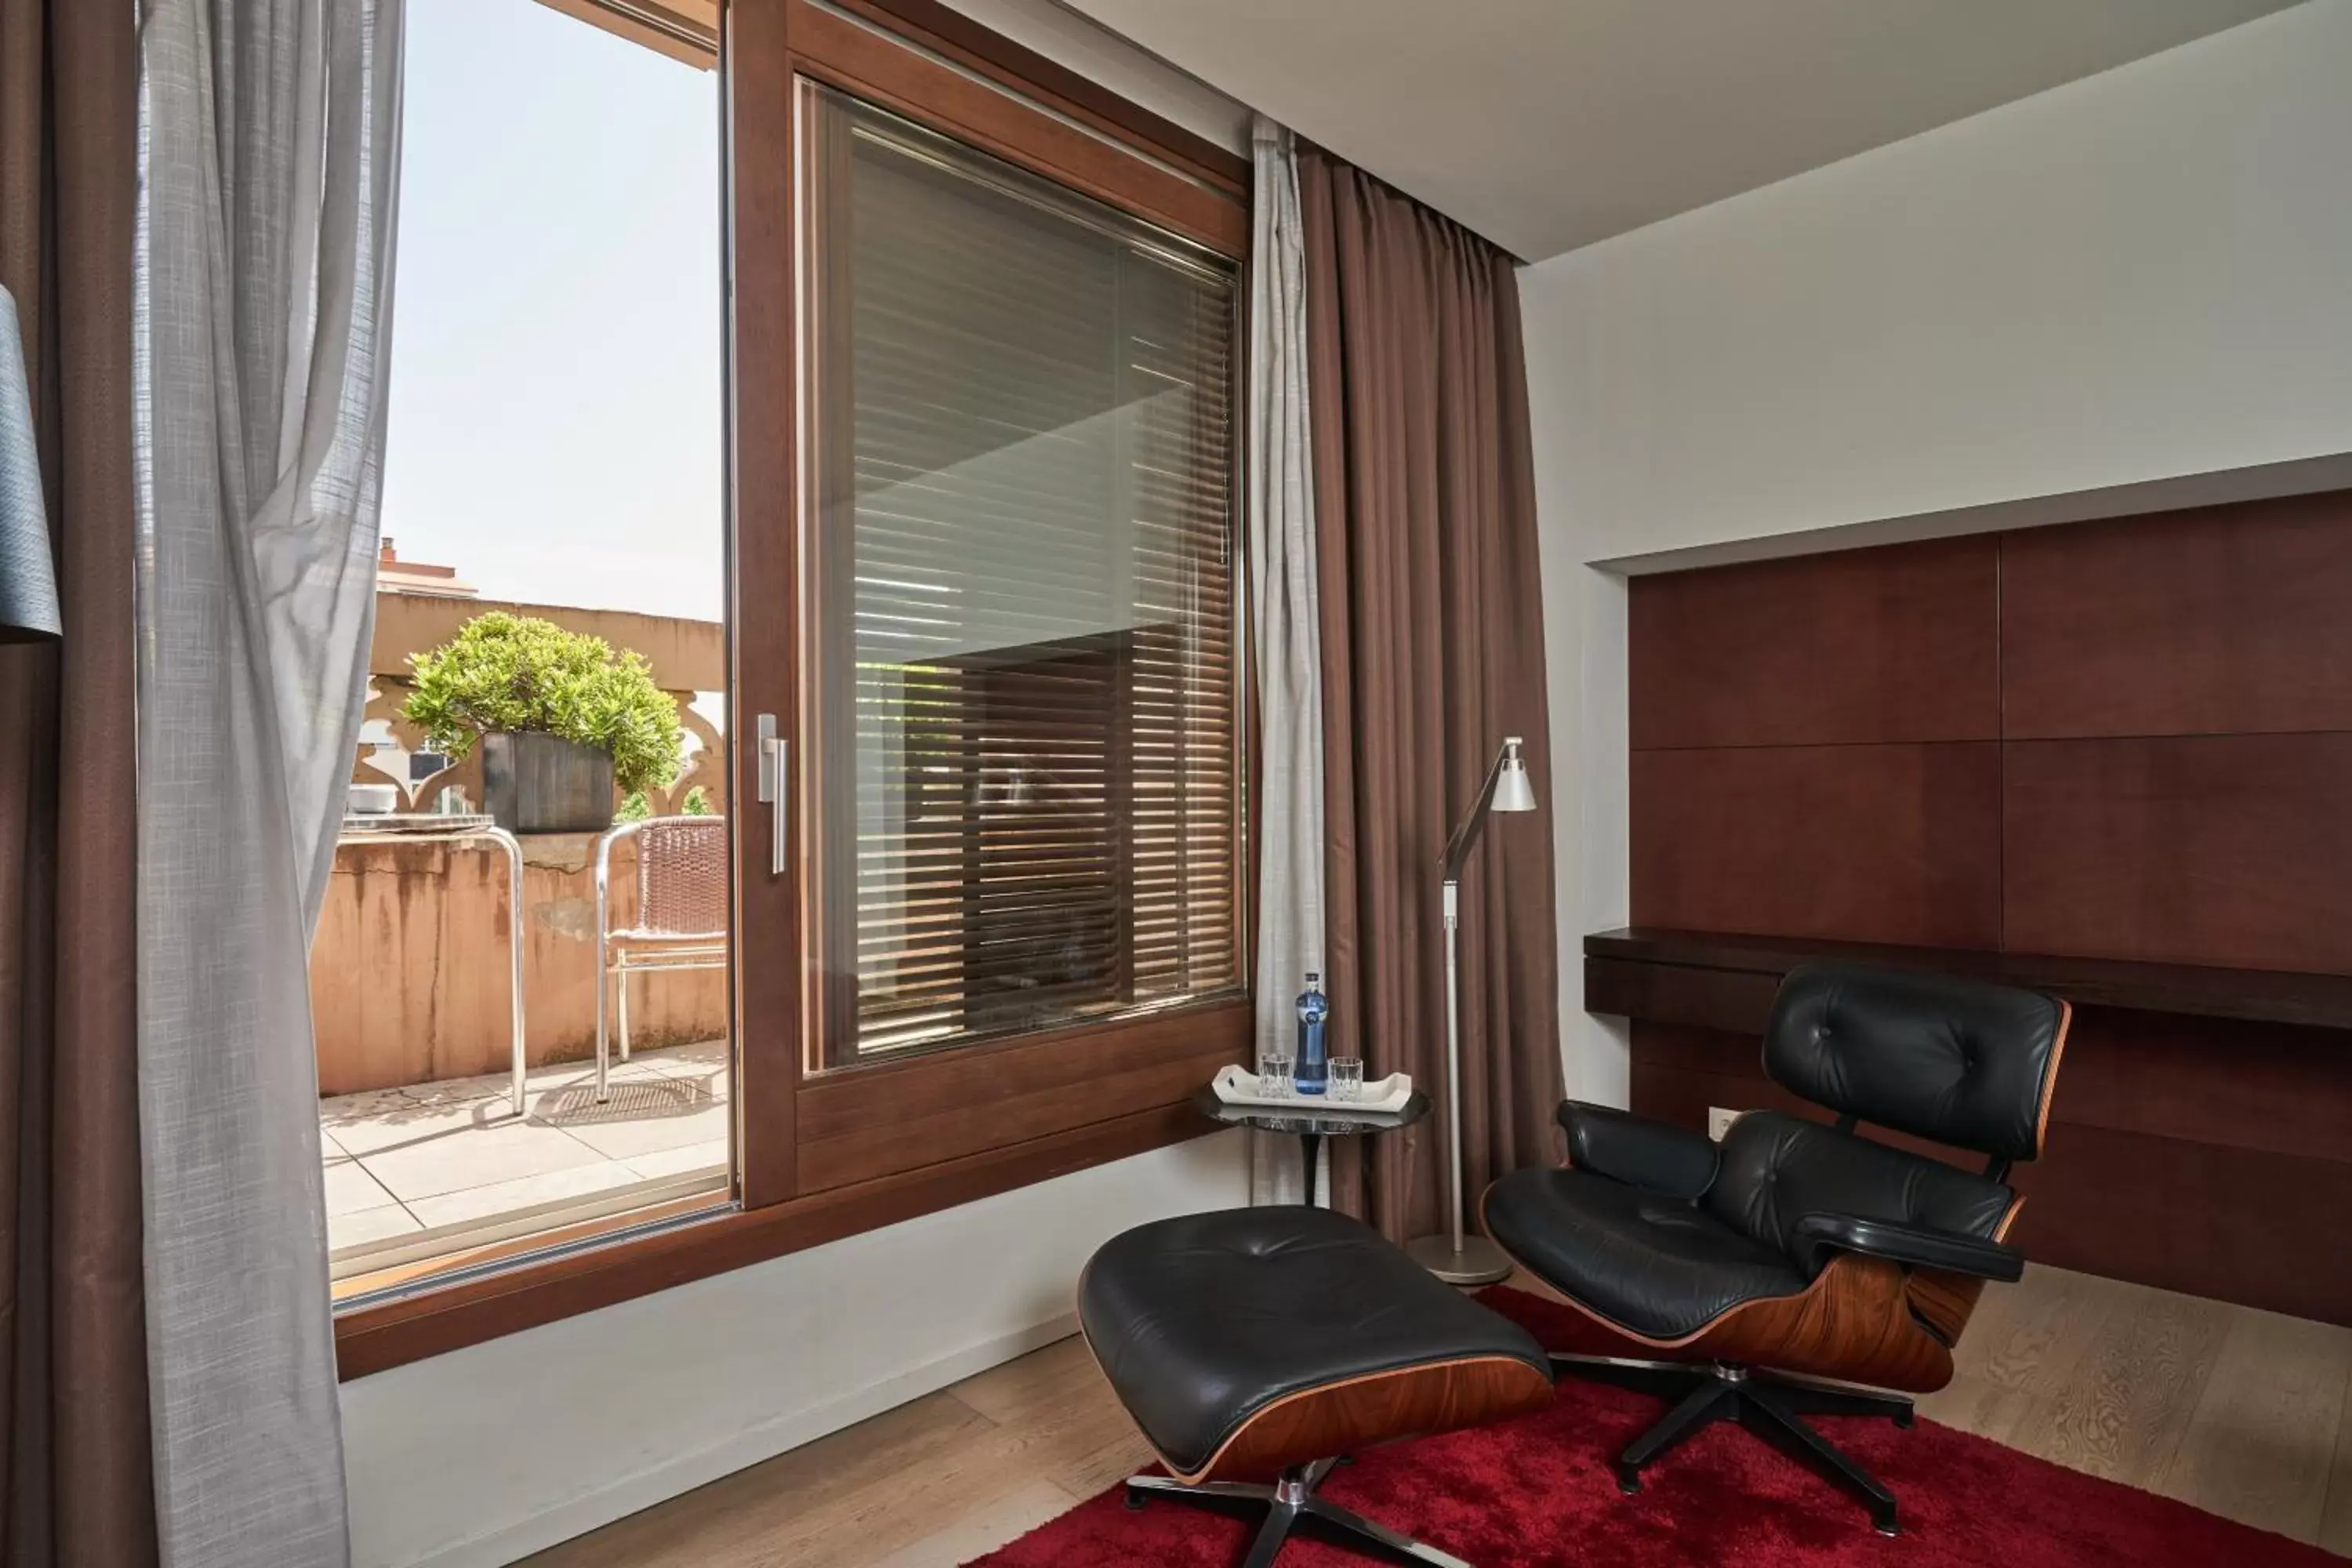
[(452, 1154)]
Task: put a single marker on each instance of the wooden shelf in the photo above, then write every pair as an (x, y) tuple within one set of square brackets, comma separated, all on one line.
[(1725, 980)]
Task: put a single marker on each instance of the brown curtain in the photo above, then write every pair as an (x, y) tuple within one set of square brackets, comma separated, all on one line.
[(1433, 652), (75, 1484)]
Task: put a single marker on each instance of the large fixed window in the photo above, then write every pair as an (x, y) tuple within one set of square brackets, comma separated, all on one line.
[(1021, 664)]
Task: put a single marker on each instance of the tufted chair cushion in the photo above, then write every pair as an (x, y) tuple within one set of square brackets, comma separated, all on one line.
[(1777, 1169), (1956, 1061)]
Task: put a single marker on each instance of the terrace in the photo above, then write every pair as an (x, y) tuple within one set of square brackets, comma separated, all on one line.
[(427, 1160), (422, 1171)]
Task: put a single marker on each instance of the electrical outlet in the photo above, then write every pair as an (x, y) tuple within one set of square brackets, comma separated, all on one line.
[(1719, 1120)]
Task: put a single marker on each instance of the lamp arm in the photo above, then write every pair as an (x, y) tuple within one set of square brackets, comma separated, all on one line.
[(1466, 837)]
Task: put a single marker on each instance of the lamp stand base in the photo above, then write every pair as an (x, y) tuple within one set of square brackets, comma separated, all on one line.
[(1480, 1261)]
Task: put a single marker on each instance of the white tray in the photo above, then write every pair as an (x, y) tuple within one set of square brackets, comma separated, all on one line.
[(1239, 1085)]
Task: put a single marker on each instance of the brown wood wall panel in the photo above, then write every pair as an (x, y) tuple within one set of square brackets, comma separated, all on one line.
[(2269, 1088), (2170, 703), (2207, 1217), (1890, 643), (2206, 1220), (1891, 843), (2233, 850), (2222, 620)]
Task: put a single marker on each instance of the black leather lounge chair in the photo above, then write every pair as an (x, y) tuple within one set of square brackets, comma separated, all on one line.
[(1796, 1248), (1256, 1347)]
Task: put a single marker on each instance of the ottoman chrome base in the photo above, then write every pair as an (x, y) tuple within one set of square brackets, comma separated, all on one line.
[(1288, 1505)]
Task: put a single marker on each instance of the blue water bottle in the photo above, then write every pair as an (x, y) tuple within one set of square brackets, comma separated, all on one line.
[(1313, 1068)]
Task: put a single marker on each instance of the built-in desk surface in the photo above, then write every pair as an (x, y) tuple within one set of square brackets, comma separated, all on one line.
[(1723, 980)]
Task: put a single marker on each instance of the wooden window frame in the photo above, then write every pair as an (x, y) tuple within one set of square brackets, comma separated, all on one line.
[(825, 1156)]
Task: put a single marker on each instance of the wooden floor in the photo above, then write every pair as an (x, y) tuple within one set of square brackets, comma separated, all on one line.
[(2234, 1410)]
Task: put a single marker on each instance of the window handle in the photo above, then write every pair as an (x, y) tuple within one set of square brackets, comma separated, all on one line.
[(772, 790)]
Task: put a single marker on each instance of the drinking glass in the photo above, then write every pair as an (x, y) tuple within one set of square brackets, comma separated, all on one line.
[(1273, 1076), (1347, 1078)]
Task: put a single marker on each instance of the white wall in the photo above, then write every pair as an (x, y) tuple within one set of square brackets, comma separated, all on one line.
[(2131, 291), (485, 1455)]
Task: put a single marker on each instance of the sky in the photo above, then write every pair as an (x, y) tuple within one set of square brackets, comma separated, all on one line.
[(555, 414)]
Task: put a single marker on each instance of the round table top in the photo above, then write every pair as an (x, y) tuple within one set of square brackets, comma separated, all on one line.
[(1338, 1120)]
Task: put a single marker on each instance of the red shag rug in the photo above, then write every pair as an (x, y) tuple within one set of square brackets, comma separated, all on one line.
[(1538, 1491)]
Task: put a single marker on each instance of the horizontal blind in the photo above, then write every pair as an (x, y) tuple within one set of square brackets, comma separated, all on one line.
[(1037, 400)]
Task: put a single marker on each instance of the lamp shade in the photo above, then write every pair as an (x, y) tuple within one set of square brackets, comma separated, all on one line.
[(1514, 790), (28, 582)]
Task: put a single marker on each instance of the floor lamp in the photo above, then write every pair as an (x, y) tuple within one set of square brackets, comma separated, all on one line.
[(1456, 1258)]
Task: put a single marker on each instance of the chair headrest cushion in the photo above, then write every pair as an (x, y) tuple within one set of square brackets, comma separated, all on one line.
[(1960, 1061)]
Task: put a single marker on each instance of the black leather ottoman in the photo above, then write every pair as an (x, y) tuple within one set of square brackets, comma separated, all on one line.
[(1272, 1342)]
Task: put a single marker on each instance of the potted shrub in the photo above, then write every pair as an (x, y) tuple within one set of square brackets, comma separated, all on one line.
[(562, 719)]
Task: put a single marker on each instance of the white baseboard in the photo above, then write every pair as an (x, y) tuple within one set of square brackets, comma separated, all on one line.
[(627, 1494)]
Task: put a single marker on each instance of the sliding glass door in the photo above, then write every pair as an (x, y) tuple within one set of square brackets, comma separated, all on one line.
[(968, 716)]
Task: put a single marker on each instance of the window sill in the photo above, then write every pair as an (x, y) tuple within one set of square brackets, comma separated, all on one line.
[(379, 1337)]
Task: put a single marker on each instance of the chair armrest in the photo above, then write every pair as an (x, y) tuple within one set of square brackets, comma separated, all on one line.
[(1917, 1245), (1656, 1156)]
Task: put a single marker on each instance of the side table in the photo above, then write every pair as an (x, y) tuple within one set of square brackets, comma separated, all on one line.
[(1312, 1123)]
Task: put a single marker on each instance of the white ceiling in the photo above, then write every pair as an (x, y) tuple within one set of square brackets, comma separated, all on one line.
[(1548, 124)]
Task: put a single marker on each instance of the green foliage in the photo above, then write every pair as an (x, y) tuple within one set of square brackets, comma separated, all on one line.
[(518, 673), (637, 808)]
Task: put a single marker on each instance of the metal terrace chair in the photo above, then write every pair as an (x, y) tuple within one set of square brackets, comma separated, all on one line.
[(681, 916)]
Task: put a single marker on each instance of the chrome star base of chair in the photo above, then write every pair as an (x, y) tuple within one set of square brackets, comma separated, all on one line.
[(1289, 1506), (1772, 1407)]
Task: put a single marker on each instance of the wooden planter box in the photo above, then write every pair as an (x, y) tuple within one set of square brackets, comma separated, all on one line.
[(545, 784)]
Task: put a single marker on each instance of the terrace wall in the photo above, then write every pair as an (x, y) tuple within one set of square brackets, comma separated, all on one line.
[(409, 972)]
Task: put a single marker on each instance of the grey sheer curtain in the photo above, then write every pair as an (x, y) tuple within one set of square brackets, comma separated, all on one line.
[(271, 132), (1285, 624)]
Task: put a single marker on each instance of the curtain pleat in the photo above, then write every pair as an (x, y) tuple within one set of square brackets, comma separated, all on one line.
[(1286, 636), (1433, 652), (76, 1488), (272, 133)]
